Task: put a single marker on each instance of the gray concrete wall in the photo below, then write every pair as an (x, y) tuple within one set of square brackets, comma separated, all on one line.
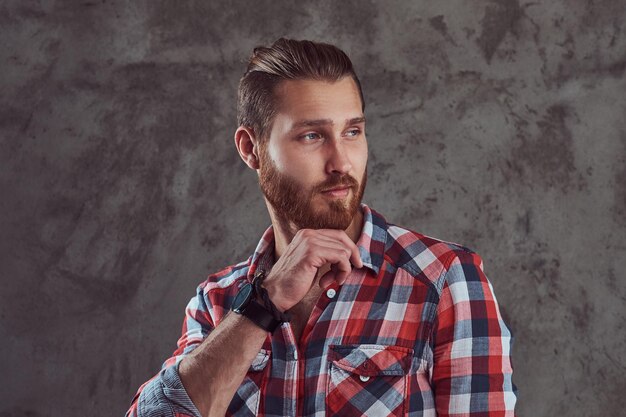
[(495, 124)]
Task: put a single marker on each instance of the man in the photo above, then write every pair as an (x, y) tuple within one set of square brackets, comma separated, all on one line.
[(337, 312)]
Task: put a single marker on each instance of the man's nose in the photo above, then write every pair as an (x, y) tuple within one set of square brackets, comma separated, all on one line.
[(338, 160)]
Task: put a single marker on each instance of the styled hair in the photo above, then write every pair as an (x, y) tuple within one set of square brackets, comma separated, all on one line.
[(286, 59)]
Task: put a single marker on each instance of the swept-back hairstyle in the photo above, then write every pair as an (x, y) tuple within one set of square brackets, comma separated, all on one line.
[(286, 59)]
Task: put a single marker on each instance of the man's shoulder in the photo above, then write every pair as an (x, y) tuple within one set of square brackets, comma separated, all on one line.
[(406, 237), (422, 255)]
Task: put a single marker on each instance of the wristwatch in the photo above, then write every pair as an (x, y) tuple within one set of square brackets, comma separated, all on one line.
[(246, 305)]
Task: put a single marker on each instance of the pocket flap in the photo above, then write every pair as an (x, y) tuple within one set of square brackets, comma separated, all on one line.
[(372, 360), (259, 363)]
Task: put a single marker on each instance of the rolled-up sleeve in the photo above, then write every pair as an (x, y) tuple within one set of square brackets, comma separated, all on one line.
[(472, 369), (164, 394)]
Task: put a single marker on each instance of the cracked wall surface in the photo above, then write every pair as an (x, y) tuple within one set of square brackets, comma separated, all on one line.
[(499, 125)]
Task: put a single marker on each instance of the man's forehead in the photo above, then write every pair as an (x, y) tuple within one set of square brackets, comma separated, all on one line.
[(310, 103)]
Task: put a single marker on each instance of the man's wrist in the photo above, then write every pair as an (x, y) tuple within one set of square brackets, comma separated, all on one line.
[(274, 298)]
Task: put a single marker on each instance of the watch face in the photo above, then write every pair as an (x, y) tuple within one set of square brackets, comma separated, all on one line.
[(243, 298)]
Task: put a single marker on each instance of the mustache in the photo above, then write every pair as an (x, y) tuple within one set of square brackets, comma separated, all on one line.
[(334, 182)]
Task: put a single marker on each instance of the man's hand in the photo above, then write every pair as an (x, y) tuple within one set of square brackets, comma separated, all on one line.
[(293, 275)]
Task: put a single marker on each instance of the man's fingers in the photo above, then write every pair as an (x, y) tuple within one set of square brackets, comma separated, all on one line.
[(327, 279), (339, 271), (355, 255), (337, 248), (332, 275), (340, 276)]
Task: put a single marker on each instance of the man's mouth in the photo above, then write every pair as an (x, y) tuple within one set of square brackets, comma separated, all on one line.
[(340, 191)]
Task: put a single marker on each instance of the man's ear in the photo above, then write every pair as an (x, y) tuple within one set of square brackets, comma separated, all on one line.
[(247, 146)]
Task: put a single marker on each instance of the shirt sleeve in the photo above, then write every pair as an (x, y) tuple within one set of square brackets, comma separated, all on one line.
[(164, 395), (472, 369)]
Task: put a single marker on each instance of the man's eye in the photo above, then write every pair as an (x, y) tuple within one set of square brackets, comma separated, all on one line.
[(353, 132), (310, 136)]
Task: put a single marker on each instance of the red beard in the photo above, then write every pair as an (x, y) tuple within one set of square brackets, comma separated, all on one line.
[(293, 203)]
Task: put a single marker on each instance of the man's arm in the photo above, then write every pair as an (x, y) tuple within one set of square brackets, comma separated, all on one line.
[(472, 364), (224, 353), (214, 371), (225, 356), (202, 376)]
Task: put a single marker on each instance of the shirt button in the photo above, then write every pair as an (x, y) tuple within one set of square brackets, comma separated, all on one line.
[(364, 378), (331, 293)]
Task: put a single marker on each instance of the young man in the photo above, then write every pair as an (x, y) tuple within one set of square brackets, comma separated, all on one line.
[(337, 312)]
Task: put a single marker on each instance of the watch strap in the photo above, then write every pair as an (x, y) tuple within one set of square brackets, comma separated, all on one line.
[(260, 316), (266, 302)]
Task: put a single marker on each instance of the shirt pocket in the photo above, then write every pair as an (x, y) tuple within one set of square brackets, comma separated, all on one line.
[(246, 400), (368, 380)]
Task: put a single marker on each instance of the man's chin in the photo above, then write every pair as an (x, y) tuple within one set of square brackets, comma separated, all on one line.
[(338, 216), (320, 212)]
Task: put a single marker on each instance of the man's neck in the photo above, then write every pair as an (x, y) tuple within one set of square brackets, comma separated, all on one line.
[(284, 232)]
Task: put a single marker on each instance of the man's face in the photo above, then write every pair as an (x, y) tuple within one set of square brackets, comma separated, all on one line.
[(317, 143)]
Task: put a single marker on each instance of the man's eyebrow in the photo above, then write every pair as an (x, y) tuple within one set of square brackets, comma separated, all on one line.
[(322, 122)]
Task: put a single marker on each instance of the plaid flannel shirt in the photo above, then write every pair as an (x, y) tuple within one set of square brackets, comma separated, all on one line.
[(416, 332)]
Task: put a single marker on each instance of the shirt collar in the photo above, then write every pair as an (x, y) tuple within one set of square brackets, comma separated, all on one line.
[(371, 244)]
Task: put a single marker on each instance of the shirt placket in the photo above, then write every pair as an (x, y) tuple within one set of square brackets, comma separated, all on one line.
[(298, 355), (296, 361), (291, 383)]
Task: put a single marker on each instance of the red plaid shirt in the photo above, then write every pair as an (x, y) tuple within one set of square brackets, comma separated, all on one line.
[(416, 331)]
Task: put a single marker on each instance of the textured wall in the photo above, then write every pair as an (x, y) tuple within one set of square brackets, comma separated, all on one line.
[(495, 124)]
